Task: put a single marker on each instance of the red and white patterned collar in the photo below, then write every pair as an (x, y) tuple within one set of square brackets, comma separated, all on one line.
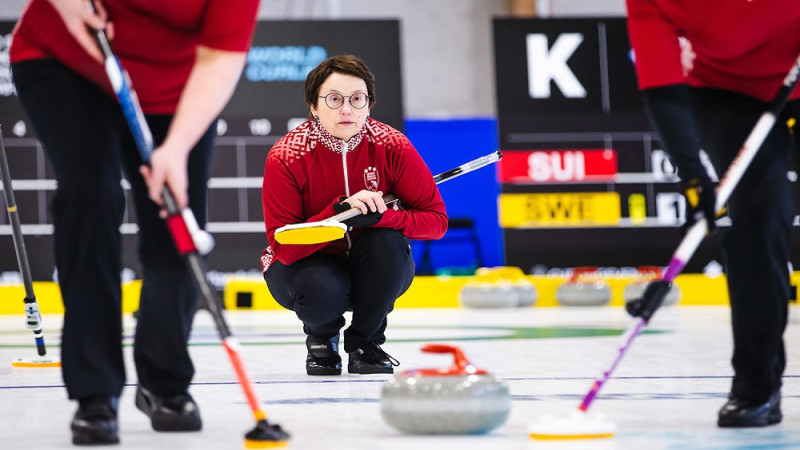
[(318, 132)]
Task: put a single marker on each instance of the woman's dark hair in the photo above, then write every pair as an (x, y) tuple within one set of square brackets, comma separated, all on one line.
[(346, 64)]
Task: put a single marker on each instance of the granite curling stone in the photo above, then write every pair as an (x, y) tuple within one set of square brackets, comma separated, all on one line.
[(498, 287), (634, 291), (526, 293), (461, 399), (646, 274), (584, 288), (481, 294)]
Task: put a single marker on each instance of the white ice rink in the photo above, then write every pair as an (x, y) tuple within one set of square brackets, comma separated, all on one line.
[(665, 393)]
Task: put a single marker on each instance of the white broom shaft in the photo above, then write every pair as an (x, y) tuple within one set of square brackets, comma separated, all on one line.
[(468, 167), (757, 137), (732, 177), (735, 172), (475, 164)]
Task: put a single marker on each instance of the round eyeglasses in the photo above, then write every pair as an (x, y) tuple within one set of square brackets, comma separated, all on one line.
[(335, 101)]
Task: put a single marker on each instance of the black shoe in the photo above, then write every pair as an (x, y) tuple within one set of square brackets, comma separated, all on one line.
[(739, 413), (95, 422), (175, 413), (323, 356), (371, 359)]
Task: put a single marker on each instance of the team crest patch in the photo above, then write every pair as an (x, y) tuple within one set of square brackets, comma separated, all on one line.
[(371, 179)]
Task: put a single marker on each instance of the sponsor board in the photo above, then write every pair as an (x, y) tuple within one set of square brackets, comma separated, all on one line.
[(560, 209)]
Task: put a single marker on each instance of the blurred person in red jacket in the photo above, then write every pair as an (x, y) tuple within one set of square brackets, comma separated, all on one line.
[(184, 58), (707, 71)]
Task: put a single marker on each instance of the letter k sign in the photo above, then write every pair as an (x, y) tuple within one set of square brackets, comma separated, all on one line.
[(545, 65)]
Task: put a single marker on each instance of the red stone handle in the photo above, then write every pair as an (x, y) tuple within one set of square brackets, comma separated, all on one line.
[(461, 366)]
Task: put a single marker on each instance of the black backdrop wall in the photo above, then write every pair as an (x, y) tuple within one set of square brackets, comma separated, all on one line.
[(585, 181)]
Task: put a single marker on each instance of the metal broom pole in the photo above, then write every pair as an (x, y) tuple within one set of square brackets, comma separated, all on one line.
[(33, 319)]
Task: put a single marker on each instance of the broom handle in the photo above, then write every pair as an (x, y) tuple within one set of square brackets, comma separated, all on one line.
[(33, 319), (467, 167), (735, 172)]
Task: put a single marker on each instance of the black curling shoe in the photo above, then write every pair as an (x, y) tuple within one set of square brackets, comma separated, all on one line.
[(175, 413), (323, 356), (371, 359), (95, 422), (741, 413)]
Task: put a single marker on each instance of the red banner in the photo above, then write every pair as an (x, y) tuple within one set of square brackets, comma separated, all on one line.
[(557, 166)]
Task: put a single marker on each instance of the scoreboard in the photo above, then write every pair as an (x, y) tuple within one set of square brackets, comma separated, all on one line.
[(584, 179), (267, 103)]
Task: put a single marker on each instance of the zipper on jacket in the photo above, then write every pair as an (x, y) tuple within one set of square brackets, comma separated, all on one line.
[(347, 193), (346, 182)]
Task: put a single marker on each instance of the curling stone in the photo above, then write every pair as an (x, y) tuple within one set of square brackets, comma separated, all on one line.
[(482, 294), (634, 291), (646, 274), (526, 293), (583, 288), (461, 399), (498, 287)]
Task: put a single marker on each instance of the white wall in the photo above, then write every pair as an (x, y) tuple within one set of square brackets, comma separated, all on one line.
[(572, 8), (448, 66)]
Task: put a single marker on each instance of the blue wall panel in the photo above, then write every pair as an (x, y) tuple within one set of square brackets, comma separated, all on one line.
[(445, 144)]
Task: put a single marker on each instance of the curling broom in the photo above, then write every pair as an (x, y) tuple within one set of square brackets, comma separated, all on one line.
[(334, 228), (33, 319)]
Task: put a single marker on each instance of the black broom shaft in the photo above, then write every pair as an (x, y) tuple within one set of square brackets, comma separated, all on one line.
[(199, 271), (16, 228), (19, 246)]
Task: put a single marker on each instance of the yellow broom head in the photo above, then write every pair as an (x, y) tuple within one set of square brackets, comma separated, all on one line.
[(579, 425), (39, 361), (310, 233)]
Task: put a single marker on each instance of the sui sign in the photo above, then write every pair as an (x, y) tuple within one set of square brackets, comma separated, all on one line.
[(558, 166)]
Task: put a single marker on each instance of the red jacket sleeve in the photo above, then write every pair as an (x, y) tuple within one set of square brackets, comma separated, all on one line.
[(282, 203), (656, 49), (423, 215), (229, 24)]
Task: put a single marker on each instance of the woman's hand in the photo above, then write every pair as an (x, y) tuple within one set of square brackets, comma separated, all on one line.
[(167, 168), (367, 201), (370, 204), (79, 19)]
